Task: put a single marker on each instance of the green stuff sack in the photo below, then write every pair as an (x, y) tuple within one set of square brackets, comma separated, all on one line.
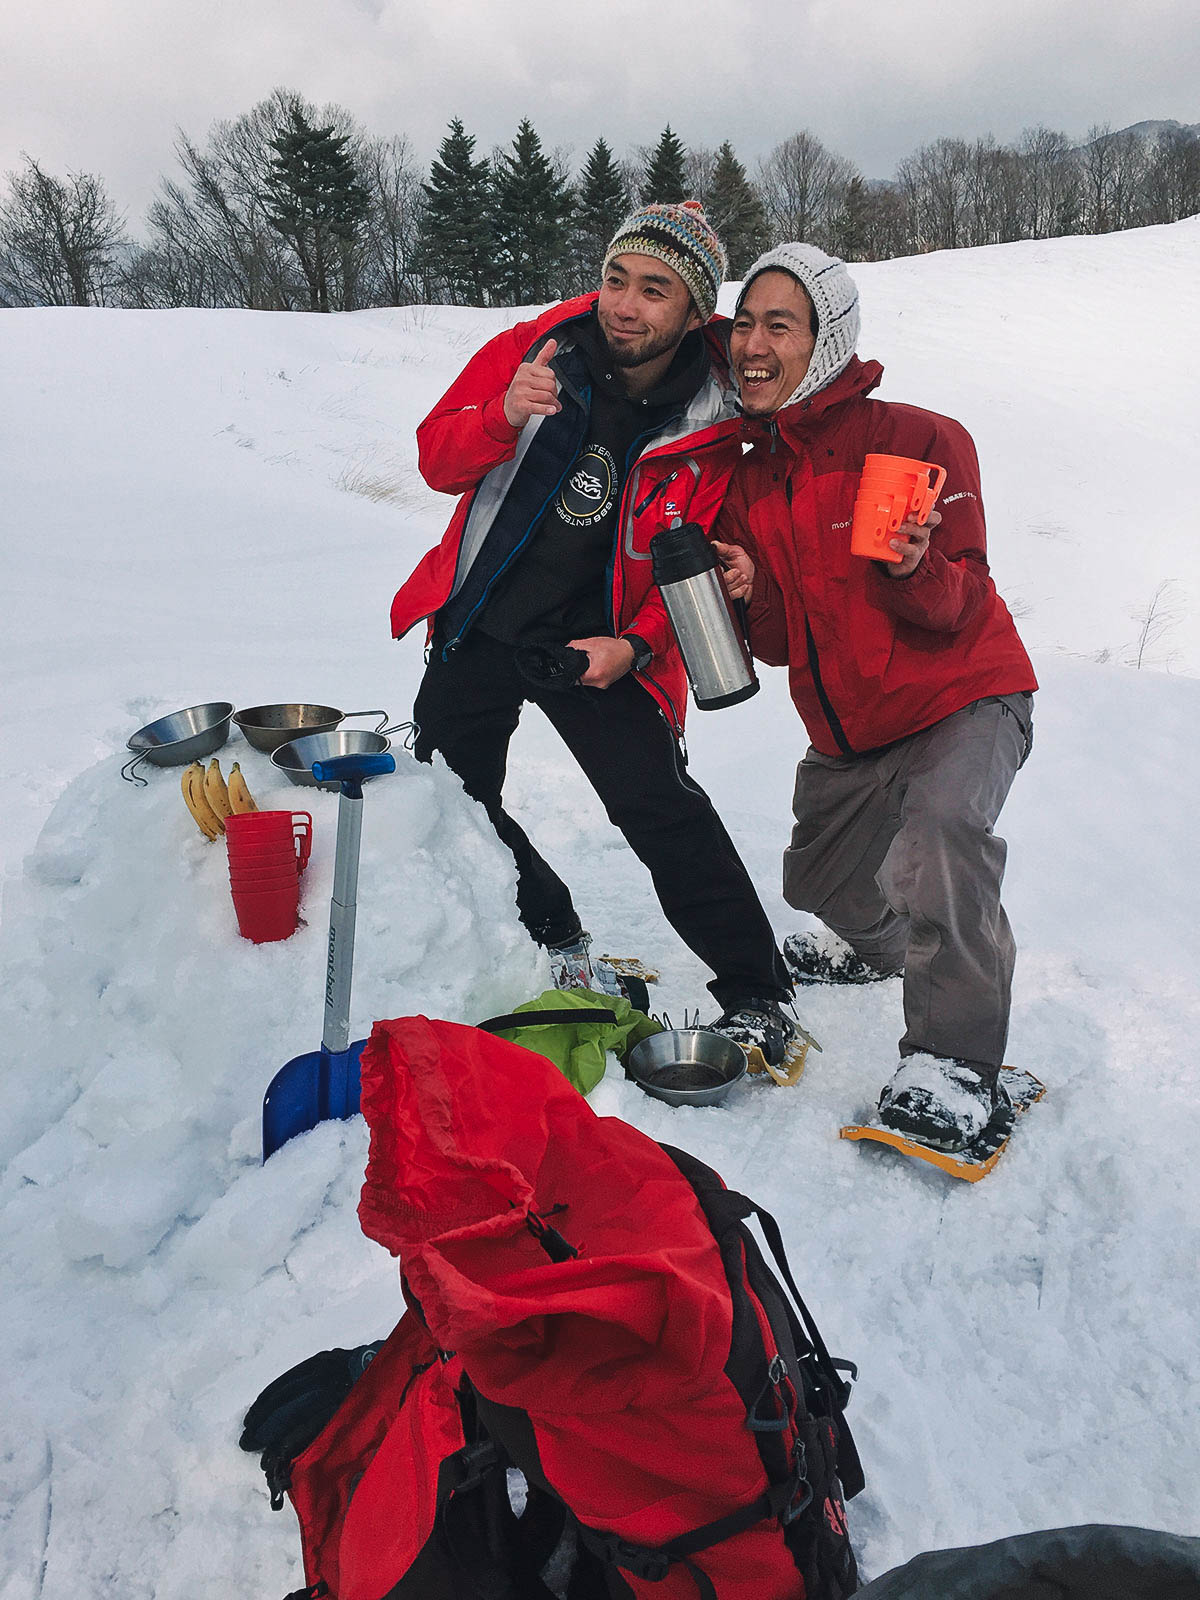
[(577, 1048)]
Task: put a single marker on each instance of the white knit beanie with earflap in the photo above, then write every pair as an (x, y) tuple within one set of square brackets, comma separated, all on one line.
[(835, 298)]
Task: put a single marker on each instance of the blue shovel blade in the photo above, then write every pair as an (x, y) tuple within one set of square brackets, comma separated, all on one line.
[(321, 1086)]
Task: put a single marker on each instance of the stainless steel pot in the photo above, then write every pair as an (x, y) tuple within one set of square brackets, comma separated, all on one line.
[(180, 738), (267, 727), (295, 759), (687, 1066)]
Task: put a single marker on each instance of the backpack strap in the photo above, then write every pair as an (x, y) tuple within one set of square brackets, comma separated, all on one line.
[(830, 1367), (652, 1563), (571, 1016), (726, 1211)]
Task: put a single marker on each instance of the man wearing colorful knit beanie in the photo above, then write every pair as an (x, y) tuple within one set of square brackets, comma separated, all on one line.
[(572, 439), (913, 686)]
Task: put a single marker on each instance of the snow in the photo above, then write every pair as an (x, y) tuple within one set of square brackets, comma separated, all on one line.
[(218, 505)]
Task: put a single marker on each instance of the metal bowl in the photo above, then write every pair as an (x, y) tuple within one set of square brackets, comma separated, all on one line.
[(268, 727), (180, 738), (687, 1066), (295, 760)]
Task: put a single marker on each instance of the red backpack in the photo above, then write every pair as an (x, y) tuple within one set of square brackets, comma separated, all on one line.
[(585, 1306)]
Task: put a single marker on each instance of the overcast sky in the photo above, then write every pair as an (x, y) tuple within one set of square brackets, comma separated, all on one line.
[(102, 85)]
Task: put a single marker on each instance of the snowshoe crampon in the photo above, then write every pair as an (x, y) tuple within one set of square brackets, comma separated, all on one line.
[(978, 1159), (791, 1069)]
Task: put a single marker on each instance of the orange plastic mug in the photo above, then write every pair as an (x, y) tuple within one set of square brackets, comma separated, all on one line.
[(892, 488)]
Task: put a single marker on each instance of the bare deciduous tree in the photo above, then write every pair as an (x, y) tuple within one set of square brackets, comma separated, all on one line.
[(62, 242), (393, 182), (699, 164), (803, 187), (935, 182)]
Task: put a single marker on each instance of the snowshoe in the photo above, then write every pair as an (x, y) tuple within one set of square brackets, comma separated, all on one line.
[(774, 1041), (977, 1159), (824, 958)]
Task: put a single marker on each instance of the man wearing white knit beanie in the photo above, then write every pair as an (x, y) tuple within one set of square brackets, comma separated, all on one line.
[(914, 688)]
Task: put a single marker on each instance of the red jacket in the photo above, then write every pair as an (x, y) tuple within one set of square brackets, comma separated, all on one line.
[(467, 447), (870, 658)]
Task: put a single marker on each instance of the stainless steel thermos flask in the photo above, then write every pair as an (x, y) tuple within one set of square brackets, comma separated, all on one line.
[(712, 643)]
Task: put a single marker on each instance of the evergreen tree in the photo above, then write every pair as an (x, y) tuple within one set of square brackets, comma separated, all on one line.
[(850, 233), (314, 199), (735, 210), (456, 232), (530, 209), (601, 202), (665, 180)]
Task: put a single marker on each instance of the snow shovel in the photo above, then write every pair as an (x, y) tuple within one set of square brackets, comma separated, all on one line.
[(322, 1086)]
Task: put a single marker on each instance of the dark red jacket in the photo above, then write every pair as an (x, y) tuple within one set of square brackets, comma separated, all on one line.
[(870, 658), (466, 446)]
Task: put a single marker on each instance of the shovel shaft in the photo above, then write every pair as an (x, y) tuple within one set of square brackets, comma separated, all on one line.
[(339, 968)]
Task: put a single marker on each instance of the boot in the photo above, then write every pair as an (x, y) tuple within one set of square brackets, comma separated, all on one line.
[(571, 964), (942, 1101), (758, 1021), (824, 958)]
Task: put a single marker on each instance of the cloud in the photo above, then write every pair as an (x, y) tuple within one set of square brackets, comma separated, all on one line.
[(101, 85)]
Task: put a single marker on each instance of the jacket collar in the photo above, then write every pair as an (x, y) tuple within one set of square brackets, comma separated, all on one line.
[(856, 380), (712, 411)]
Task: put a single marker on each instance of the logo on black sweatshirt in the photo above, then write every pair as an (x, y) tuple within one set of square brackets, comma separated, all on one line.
[(587, 493)]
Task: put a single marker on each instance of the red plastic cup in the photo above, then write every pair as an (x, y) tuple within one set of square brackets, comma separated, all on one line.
[(270, 914), (264, 860), (252, 834), (254, 878)]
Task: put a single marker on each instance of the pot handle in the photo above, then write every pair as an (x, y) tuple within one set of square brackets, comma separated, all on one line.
[(408, 729), (382, 715), (129, 770)]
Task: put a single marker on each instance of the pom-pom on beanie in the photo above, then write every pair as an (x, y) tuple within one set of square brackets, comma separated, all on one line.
[(682, 236), (835, 299)]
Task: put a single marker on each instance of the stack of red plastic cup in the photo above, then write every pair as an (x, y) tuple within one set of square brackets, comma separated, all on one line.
[(268, 850), (891, 489)]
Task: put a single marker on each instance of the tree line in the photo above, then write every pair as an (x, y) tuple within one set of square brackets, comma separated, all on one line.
[(294, 208)]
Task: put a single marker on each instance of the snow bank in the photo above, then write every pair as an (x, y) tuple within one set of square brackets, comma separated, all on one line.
[(218, 505)]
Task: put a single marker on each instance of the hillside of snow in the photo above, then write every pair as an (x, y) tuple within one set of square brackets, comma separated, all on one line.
[(219, 505)]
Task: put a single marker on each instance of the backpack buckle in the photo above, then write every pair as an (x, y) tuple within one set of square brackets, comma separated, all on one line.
[(802, 1491), (475, 1462), (652, 1566)]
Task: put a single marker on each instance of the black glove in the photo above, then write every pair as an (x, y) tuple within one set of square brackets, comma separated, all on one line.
[(551, 666), (290, 1413)]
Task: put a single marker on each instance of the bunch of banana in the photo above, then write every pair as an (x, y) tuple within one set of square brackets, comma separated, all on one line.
[(210, 799)]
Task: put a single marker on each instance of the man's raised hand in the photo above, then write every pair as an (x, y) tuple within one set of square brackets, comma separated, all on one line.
[(533, 391)]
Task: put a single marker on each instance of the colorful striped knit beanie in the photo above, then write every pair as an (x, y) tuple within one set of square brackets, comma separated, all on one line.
[(683, 237), (835, 300)]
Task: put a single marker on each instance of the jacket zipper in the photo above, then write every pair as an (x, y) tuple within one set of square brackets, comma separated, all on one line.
[(814, 664), (631, 464), (454, 643)]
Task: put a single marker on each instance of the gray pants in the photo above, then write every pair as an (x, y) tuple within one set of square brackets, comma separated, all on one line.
[(895, 852)]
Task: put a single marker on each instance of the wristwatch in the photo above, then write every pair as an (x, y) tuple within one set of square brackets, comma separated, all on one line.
[(642, 653)]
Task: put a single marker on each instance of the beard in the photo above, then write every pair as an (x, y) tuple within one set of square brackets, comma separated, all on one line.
[(650, 348)]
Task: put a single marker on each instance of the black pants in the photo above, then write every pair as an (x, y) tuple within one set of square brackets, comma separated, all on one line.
[(468, 708)]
